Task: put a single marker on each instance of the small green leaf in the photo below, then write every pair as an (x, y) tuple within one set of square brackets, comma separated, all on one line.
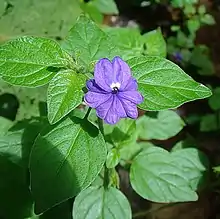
[(92, 11), (30, 61), (209, 123), (193, 25), (132, 149), (214, 100), (124, 131), (216, 169), (166, 125), (113, 158), (163, 84), (86, 42), (202, 9), (189, 9), (208, 19), (106, 6), (65, 93), (155, 43), (175, 28), (201, 59), (96, 202), (65, 159), (194, 165), (155, 177)]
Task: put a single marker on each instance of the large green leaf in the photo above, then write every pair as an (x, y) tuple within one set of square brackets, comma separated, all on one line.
[(65, 92), (51, 18), (167, 124), (30, 61), (163, 84), (194, 165), (65, 159), (96, 202), (156, 177), (87, 42)]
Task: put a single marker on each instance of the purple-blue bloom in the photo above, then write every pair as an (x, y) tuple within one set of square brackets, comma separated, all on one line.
[(113, 91)]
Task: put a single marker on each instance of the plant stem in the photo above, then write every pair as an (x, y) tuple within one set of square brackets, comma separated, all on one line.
[(100, 124), (106, 172), (87, 113)]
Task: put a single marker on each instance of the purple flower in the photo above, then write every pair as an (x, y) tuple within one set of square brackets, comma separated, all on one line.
[(113, 91), (178, 56)]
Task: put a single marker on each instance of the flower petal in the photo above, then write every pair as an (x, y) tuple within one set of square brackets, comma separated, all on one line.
[(121, 72), (94, 99), (104, 74), (111, 113), (130, 109), (92, 86), (133, 96), (131, 85)]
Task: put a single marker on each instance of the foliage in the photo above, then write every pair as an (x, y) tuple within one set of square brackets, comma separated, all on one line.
[(69, 153)]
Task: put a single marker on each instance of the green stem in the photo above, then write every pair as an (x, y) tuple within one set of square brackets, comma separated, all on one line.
[(100, 124), (106, 172), (87, 113)]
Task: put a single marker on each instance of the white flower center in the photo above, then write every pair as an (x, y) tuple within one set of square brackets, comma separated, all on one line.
[(115, 85)]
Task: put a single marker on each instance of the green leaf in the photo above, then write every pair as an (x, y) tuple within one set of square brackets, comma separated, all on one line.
[(30, 61), (132, 149), (166, 125), (65, 159), (208, 19), (163, 84), (113, 158), (124, 131), (216, 169), (200, 58), (189, 9), (214, 102), (193, 25), (209, 123), (96, 202), (202, 9), (155, 177), (92, 11), (106, 6), (194, 164), (65, 93), (155, 43), (128, 41), (86, 42)]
